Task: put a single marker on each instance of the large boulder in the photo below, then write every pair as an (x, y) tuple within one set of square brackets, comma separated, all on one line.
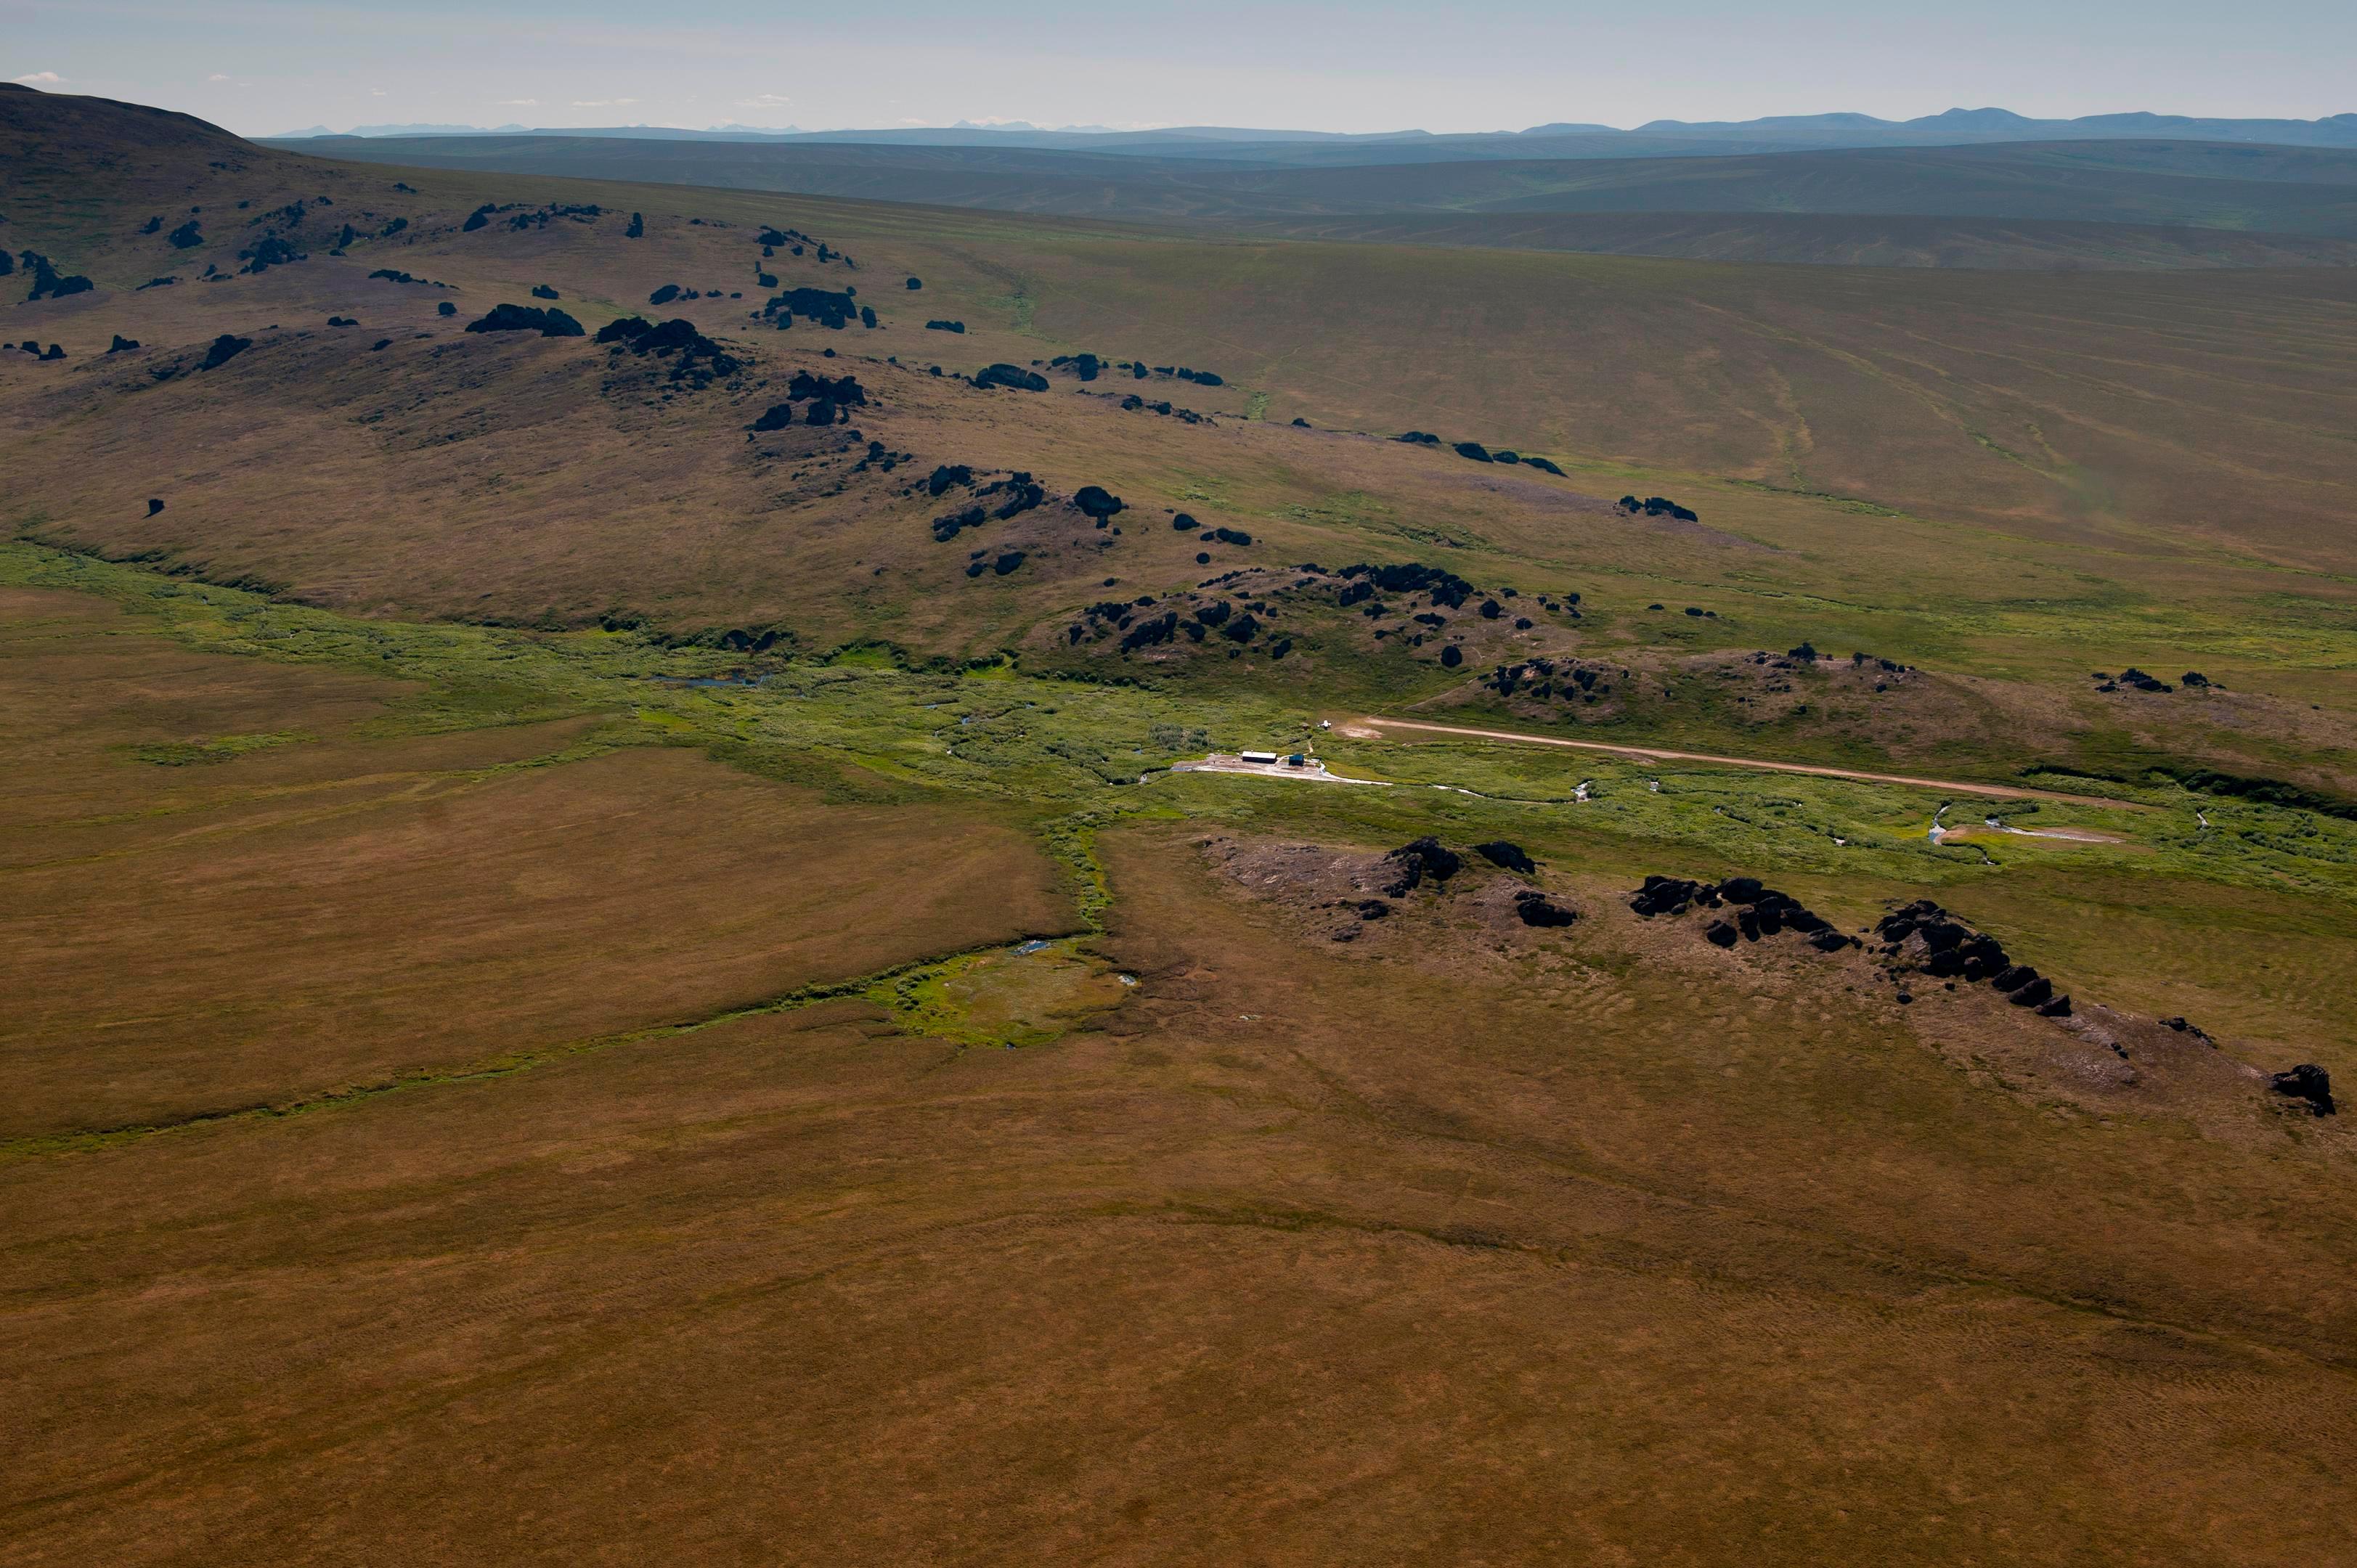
[(1413, 864), (2307, 1081), (1534, 907), (1511, 856), (224, 349), (1096, 501), (1014, 376), (548, 323)]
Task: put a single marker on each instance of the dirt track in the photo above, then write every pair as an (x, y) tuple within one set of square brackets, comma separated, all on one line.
[(1665, 755)]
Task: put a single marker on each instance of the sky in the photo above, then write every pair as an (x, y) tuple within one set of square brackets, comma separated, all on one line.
[(259, 67)]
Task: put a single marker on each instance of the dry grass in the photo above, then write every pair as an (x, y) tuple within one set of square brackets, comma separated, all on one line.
[(200, 938), (1477, 1274)]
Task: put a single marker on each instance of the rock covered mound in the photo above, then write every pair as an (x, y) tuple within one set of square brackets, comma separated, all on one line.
[(548, 323), (694, 358), (1948, 949), (1425, 899), (1758, 911)]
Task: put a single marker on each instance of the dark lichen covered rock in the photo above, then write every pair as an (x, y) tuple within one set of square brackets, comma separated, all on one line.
[(1096, 501), (694, 358), (1511, 856), (664, 295), (1761, 910), (1446, 587), (1011, 376), (1412, 864), (528, 318), (1475, 450), (187, 236), (1022, 492), (1657, 505), (831, 308), (224, 349), (48, 283), (638, 228), (154, 505), (269, 251), (122, 345), (446, 308), (944, 325), (947, 526), (1542, 465), (1534, 907), (844, 390), (947, 475), (2307, 1082), (542, 291), (2036, 993), (1418, 438), (1672, 896)]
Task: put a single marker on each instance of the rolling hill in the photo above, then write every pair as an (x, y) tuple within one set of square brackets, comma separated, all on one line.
[(635, 930), (2015, 204)]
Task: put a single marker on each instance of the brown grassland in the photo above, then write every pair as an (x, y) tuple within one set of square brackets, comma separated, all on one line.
[(581, 988)]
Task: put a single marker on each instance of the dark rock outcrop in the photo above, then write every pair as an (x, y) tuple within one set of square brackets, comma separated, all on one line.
[(1011, 376), (831, 308), (1657, 505), (2308, 1082), (1412, 864), (48, 283), (695, 358), (1096, 501), (224, 349), (528, 318), (1511, 856), (1534, 907), (944, 325)]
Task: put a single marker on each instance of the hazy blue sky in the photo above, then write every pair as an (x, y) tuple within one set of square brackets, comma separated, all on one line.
[(260, 66)]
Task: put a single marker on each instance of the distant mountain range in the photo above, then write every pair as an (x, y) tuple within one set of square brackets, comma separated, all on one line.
[(1782, 132)]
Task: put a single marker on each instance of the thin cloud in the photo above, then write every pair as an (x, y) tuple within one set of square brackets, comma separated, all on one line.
[(41, 79), (601, 103), (515, 103), (218, 76), (764, 100)]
